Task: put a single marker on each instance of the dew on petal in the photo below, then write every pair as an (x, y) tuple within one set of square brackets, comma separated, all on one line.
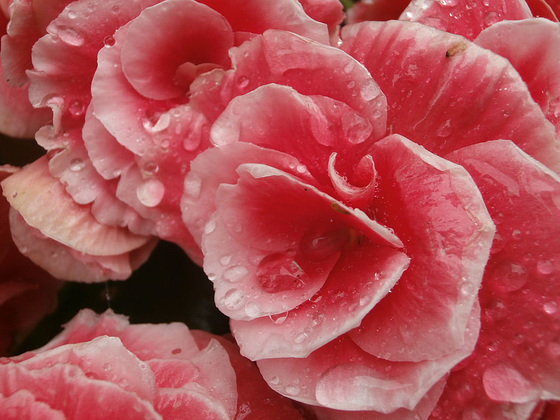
[(150, 193), (76, 108), (235, 273), (193, 185), (233, 299), (279, 319), (77, 165), (292, 390), (70, 36), (109, 41), (253, 310), (275, 380), (545, 267), (278, 272), (210, 227), (550, 308)]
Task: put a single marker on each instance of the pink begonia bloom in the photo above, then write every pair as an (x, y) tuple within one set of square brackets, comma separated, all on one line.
[(101, 366), (123, 131), (349, 263), (27, 293)]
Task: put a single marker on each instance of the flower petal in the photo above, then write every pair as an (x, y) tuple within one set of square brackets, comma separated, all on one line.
[(446, 93), (465, 18), (447, 233)]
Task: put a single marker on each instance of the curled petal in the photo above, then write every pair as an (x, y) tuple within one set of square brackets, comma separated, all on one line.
[(33, 192)]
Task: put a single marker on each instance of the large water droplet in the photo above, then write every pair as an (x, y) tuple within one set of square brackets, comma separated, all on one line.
[(109, 41), (369, 91), (253, 310), (509, 277), (70, 36), (491, 18), (210, 227), (550, 307), (445, 129), (76, 108), (233, 299), (275, 380), (235, 273), (279, 319), (77, 164), (279, 272), (193, 185), (292, 390), (545, 267), (150, 193)]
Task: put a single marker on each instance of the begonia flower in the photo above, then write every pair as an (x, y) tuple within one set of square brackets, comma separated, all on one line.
[(101, 366)]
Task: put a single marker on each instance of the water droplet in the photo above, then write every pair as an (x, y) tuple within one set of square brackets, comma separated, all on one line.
[(553, 349), (275, 380), (369, 91), (349, 67), (300, 338), (70, 36), (317, 318), (491, 18), (233, 299), (210, 227), (225, 260), (292, 390), (72, 14), (76, 108), (243, 82), (445, 129), (253, 310), (150, 193), (193, 185), (301, 169), (279, 272), (450, 3), (351, 84), (176, 351), (77, 165), (508, 276), (150, 168), (545, 267), (550, 308), (467, 288), (161, 125), (316, 297), (109, 41), (279, 319), (236, 273), (516, 234)]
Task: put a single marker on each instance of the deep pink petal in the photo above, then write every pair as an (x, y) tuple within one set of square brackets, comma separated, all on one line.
[(465, 18), (33, 192), (446, 93), (342, 376), (266, 258), (326, 11), (194, 33), (217, 166), (287, 59), (360, 279), (540, 8), (376, 10), (310, 128), (517, 358), (255, 17), (531, 46), (447, 233)]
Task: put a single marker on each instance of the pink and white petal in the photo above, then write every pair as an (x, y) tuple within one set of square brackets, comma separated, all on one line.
[(33, 192), (18, 118), (290, 60), (361, 278), (265, 259), (447, 233), (330, 12), (446, 93), (173, 373), (249, 17), (217, 166), (65, 263), (151, 58), (255, 399), (22, 405), (77, 395), (340, 375), (465, 18), (422, 410), (534, 55), (118, 365), (189, 402), (517, 358), (310, 128), (107, 155)]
